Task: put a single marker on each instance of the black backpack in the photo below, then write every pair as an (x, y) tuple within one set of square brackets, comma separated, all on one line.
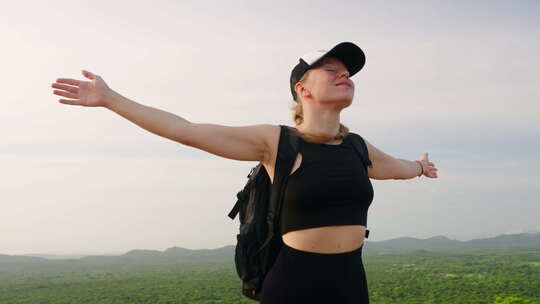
[(259, 203)]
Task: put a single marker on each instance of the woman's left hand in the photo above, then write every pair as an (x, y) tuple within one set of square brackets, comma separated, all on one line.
[(429, 167)]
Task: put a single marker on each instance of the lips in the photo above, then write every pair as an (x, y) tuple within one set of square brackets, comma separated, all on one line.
[(344, 83)]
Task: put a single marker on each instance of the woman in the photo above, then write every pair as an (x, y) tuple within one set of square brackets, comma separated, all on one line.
[(328, 192)]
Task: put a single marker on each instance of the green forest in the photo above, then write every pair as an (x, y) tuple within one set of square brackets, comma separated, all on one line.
[(494, 277)]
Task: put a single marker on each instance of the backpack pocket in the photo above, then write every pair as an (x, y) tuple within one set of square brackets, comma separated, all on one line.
[(245, 257), (240, 256)]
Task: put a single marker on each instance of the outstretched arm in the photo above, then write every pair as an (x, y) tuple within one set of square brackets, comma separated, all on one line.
[(387, 167), (249, 143)]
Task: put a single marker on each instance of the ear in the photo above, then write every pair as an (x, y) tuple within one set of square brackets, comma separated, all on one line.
[(301, 90)]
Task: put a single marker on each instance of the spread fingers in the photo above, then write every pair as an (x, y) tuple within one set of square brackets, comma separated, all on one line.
[(68, 81), (64, 87), (66, 94)]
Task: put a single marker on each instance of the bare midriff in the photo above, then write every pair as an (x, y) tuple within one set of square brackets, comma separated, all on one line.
[(327, 239)]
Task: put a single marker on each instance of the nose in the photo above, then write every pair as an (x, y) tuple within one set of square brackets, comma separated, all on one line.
[(343, 73)]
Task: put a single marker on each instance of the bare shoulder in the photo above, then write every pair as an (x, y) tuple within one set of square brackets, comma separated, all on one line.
[(247, 143), (374, 153), (383, 164)]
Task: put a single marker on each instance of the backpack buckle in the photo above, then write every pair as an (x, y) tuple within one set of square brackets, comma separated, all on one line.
[(251, 172)]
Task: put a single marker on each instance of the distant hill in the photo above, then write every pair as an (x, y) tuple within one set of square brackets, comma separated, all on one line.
[(68, 256), (20, 258), (522, 241)]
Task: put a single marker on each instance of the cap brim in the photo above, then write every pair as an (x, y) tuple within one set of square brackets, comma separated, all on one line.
[(349, 53)]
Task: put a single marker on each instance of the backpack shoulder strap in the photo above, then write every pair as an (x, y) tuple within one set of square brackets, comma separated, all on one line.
[(288, 146), (361, 149)]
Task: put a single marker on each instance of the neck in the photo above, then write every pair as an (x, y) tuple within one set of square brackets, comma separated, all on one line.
[(320, 123)]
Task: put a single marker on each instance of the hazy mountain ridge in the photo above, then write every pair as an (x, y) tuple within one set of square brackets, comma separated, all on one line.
[(527, 241), (440, 243)]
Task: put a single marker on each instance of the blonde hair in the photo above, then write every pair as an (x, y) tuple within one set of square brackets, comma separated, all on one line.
[(298, 118)]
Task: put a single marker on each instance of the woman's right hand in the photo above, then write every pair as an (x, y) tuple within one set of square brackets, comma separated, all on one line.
[(94, 93)]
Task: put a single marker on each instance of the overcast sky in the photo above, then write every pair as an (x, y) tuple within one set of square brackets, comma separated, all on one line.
[(456, 79)]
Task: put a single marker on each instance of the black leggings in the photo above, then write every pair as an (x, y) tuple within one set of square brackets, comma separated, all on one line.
[(309, 277)]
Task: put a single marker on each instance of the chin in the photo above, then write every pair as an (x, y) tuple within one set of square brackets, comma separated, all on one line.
[(340, 101), (344, 101), (347, 103)]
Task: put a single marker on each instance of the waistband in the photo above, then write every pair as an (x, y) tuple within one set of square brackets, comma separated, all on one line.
[(291, 250)]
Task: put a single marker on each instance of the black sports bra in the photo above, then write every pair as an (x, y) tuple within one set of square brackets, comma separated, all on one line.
[(331, 187)]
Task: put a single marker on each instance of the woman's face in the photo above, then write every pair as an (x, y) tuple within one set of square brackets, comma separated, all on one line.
[(329, 83)]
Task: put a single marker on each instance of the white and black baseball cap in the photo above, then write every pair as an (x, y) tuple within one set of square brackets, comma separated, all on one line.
[(349, 53)]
